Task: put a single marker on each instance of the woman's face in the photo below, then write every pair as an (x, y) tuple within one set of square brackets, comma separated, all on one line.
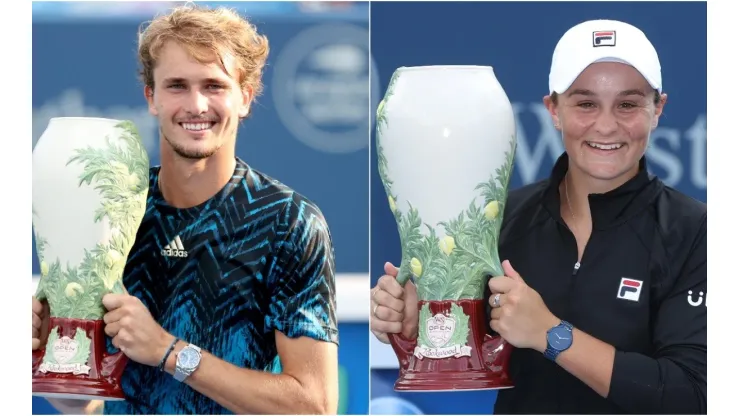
[(606, 117)]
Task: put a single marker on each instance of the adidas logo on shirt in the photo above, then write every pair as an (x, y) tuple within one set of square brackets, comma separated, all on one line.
[(174, 249)]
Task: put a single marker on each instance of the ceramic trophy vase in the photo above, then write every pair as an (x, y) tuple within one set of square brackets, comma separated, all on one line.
[(90, 184), (446, 138)]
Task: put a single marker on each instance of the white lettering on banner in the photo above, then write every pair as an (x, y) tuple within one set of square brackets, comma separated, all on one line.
[(697, 135), (71, 103), (667, 158), (664, 151), (456, 351)]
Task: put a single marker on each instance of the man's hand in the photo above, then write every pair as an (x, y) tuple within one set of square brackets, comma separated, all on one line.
[(133, 329), (518, 312), (394, 308), (39, 322)]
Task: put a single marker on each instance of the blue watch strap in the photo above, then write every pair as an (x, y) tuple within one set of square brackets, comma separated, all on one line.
[(551, 353)]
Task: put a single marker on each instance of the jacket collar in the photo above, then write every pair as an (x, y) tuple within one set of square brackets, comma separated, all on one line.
[(610, 208)]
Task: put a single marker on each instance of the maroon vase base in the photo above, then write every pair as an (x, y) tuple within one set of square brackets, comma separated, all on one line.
[(74, 388), (448, 381), (100, 382), (485, 368)]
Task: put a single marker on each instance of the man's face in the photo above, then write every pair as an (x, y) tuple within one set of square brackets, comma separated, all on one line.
[(606, 118), (198, 106)]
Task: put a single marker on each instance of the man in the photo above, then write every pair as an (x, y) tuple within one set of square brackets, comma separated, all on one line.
[(599, 258), (231, 278)]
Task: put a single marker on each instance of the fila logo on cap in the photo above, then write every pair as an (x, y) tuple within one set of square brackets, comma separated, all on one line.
[(605, 38), (630, 289)]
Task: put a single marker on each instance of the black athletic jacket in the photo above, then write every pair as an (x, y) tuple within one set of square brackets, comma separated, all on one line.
[(641, 287)]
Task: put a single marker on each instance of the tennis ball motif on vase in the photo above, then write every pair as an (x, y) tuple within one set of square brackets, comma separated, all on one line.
[(73, 289), (416, 267), (446, 244), (491, 210)]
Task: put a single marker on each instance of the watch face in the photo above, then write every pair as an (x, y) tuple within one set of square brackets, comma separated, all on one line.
[(188, 358), (560, 338)]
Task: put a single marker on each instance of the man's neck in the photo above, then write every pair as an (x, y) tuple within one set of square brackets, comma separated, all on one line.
[(187, 183)]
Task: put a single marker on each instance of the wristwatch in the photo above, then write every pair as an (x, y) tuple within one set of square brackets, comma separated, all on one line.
[(188, 360), (559, 339)]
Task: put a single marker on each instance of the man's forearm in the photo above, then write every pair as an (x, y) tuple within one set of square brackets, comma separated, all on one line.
[(245, 391)]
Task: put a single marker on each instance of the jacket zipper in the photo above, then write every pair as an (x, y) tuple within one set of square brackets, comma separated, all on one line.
[(579, 264), (576, 268)]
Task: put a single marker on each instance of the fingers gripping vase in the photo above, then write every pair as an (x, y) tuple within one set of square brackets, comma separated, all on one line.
[(446, 139), (90, 183)]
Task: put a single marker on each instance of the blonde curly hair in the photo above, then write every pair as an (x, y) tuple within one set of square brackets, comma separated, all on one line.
[(206, 33)]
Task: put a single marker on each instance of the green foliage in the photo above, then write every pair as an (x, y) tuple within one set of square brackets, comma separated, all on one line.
[(83, 347), (120, 173), (461, 273), (48, 355), (424, 315), (462, 322), (381, 119)]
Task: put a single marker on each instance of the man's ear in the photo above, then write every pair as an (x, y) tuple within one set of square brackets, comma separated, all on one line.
[(149, 95), (246, 104)]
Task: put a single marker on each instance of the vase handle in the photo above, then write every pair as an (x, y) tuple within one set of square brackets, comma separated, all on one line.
[(37, 357), (113, 364), (404, 349), (496, 353)]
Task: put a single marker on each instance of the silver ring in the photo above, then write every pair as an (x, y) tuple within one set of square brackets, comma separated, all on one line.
[(375, 310), (497, 300)]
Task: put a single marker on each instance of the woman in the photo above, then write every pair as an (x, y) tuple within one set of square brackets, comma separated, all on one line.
[(602, 256)]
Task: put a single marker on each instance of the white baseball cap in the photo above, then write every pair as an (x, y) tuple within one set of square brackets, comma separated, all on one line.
[(602, 41)]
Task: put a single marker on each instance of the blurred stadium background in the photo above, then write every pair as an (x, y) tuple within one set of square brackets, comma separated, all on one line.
[(517, 40), (309, 129)]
